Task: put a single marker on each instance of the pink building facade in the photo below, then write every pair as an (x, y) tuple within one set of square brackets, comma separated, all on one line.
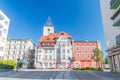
[(83, 54)]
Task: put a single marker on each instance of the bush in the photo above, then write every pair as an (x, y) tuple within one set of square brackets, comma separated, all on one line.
[(88, 68), (100, 69), (76, 69), (7, 64)]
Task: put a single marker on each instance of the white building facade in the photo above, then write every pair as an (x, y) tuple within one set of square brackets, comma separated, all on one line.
[(55, 57), (23, 49), (64, 52), (111, 21), (4, 25), (54, 50)]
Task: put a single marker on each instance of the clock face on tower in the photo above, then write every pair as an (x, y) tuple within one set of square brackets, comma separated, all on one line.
[(48, 27), (48, 30)]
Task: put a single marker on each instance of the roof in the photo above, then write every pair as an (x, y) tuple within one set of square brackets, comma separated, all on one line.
[(52, 37), (49, 22), (85, 41)]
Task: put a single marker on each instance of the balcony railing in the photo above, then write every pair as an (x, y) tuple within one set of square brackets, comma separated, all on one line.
[(116, 18), (114, 4), (116, 14), (118, 39)]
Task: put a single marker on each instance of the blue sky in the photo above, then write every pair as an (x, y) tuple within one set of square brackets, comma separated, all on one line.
[(79, 18)]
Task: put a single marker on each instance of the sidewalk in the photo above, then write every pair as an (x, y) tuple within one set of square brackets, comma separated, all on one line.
[(5, 73), (4, 70), (45, 69), (99, 76)]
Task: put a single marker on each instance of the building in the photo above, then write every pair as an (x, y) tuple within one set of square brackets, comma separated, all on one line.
[(55, 49), (4, 25), (111, 23), (23, 49), (48, 27), (84, 55)]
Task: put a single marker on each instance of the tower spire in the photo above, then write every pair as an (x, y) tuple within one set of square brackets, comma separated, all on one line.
[(49, 22)]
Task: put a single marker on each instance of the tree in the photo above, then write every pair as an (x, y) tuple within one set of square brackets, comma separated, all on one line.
[(105, 61), (98, 55)]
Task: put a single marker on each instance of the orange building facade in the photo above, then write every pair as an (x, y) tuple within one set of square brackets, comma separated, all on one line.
[(83, 53)]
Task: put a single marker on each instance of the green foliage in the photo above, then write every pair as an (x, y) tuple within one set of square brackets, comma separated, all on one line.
[(88, 68), (100, 69), (7, 64), (105, 61), (73, 58), (76, 69), (98, 54)]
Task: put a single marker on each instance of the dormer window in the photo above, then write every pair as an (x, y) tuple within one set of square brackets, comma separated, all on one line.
[(62, 33)]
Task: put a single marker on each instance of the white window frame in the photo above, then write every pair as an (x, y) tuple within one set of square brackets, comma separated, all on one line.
[(77, 48), (88, 48), (82, 48), (83, 56), (78, 56)]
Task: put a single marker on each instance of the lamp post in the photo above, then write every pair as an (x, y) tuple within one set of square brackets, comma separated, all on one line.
[(17, 64)]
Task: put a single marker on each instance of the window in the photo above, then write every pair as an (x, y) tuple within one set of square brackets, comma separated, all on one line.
[(45, 51), (39, 51), (13, 58), (6, 22), (20, 46), (94, 64), (87, 48), (9, 47), (93, 47), (82, 48), (13, 52), (58, 44), (82, 55), (50, 51), (48, 29), (19, 52), (14, 47), (0, 33), (1, 48), (77, 48), (50, 57), (88, 56), (39, 57), (63, 50), (24, 46), (48, 38), (63, 57), (8, 52), (5, 31), (58, 50), (45, 56), (25, 41), (86, 64), (68, 50), (63, 44), (78, 56)]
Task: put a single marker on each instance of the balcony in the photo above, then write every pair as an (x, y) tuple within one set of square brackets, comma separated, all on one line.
[(114, 4), (3, 23), (118, 39), (116, 18)]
